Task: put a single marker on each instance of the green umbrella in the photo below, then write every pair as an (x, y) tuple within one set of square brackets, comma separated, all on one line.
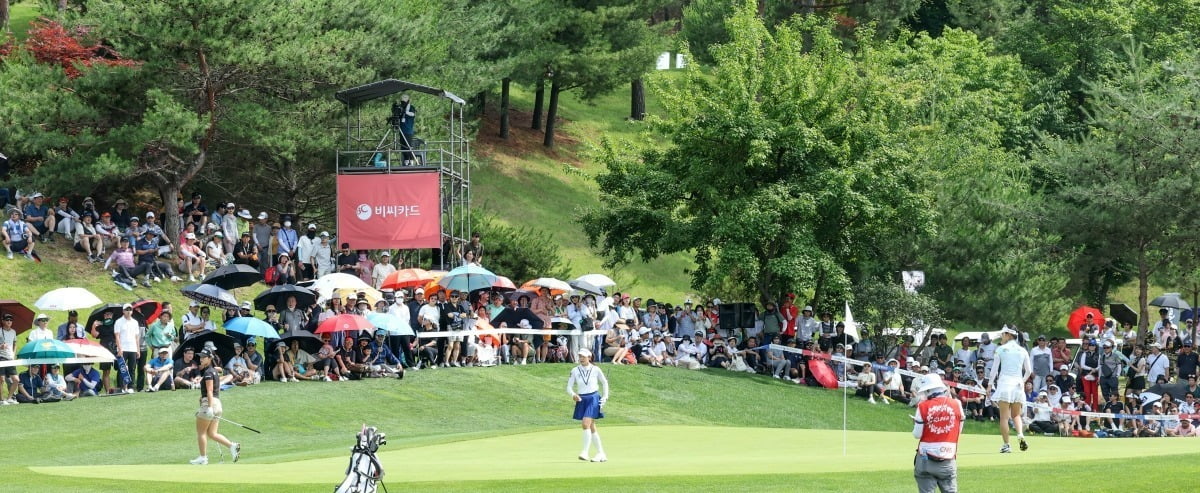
[(46, 349)]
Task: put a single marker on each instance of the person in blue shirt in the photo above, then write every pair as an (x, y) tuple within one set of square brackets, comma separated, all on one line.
[(387, 360), (161, 371), (146, 251), (85, 379), (32, 388), (287, 240), (40, 216)]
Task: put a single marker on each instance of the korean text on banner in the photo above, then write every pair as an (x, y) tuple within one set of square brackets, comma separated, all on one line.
[(399, 210)]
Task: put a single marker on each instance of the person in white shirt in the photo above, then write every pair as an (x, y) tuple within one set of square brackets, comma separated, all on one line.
[(128, 332), (382, 269), (229, 226), (583, 386), (1008, 384), (965, 354), (806, 325), (193, 325), (1158, 364), (306, 250), (1042, 422), (40, 330), (689, 354), (1042, 360), (986, 352), (215, 249)]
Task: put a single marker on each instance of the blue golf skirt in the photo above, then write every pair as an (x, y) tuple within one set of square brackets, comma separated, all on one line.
[(588, 406)]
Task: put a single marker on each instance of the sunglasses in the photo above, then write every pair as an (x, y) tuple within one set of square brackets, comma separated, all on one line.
[(272, 311)]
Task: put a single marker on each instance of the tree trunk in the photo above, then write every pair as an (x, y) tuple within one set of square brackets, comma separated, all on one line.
[(482, 97), (637, 100), (551, 114), (538, 95), (504, 107), (1143, 297), (4, 15), (170, 213)]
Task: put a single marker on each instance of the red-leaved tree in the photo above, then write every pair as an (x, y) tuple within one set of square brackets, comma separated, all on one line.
[(50, 42)]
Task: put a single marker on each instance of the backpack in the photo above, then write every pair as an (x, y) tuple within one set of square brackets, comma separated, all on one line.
[(271, 276)]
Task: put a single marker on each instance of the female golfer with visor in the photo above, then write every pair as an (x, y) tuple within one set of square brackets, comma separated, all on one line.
[(588, 402), (208, 417), (1009, 373)]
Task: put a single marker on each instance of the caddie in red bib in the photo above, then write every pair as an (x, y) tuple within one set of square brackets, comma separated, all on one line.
[(938, 422)]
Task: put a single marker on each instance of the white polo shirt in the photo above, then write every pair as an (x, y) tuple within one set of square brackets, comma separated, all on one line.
[(127, 331)]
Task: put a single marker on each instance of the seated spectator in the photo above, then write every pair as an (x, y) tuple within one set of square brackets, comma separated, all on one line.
[(56, 386), (254, 359), (688, 355), (65, 219), (146, 251), (1186, 429), (427, 353), (239, 369), (284, 370), (777, 363), (1066, 422), (192, 258), (32, 388), (87, 240), (865, 385), (135, 231), (388, 362), (84, 380), (215, 249), (719, 356), (893, 383), (120, 213), (89, 209), (302, 363), (326, 360), (110, 234), (39, 215), (18, 236), (245, 252), (1115, 406), (121, 260), (160, 371), (1043, 421), (187, 370), (285, 270)]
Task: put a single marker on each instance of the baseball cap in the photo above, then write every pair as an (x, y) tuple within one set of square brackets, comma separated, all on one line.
[(190, 236), (149, 215), (229, 205), (262, 215), (205, 354), (312, 226), (1064, 368), (194, 303), (135, 219), (325, 234), (126, 306), (246, 305), (164, 349)]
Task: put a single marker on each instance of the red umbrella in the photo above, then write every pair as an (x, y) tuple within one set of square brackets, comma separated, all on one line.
[(148, 308), (344, 322), (1079, 316), (823, 373), (22, 315), (406, 278)]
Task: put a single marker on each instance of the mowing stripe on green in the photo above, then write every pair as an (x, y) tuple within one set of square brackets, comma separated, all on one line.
[(639, 451)]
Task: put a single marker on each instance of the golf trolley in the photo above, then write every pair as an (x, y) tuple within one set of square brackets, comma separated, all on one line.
[(364, 470)]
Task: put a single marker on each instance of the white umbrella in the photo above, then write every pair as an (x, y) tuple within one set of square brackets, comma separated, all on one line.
[(66, 299), (337, 280), (598, 280)]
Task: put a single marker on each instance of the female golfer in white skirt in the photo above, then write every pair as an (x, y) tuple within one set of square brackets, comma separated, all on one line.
[(588, 402), (208, 417), (1009, 373)]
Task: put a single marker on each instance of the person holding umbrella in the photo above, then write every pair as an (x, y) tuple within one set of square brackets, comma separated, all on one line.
[(208, 417), (1008, 378)]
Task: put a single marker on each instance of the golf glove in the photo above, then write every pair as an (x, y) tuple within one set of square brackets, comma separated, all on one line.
[(206, 412), (602, 401)]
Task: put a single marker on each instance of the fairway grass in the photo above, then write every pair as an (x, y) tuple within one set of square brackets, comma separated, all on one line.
[(638, 451)]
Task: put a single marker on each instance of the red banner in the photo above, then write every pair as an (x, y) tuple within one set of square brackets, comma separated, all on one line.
[(400, 210)]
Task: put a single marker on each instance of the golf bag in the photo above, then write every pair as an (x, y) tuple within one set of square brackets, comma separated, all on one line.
[(364, 470)]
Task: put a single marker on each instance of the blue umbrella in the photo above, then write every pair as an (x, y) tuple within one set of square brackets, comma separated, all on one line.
[(468, 278), (390, 323), (251, 326), (46, 349)]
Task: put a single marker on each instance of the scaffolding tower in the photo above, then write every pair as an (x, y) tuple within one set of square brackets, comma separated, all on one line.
[(375, 145)]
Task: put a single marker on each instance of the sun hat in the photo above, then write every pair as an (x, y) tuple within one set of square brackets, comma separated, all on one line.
[(931, 382), (246, 305), (244, 214)]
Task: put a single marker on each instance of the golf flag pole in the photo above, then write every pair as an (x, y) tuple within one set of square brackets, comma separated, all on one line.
[(843, 418)]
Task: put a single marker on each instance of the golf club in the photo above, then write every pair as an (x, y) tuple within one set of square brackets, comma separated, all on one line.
[(238, 424)]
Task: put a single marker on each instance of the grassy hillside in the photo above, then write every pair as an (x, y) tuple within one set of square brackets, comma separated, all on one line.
[(20, 15), (524, 184)]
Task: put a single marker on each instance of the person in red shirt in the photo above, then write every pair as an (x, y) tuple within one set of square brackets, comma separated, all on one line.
[(938, 422), (790, 313)]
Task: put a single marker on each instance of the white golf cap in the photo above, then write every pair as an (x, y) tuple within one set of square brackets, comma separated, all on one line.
[(42, 316), (312, 225), (262, 215), (246, 305), (1066, 398), (807, 308), (149, 214), (385, 254), (127, 306), (190, 236), (325, 234), (229, 205), (1064, 368), (585, 352), (194, 303)]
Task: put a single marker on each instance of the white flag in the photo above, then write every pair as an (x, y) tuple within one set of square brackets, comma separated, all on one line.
[(851, 327)]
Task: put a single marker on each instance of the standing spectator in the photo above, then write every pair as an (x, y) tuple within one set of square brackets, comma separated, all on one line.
[(8, 346), (40, 330), (195, 212), (1089, 372), (772, 321), (71, 328), (1157, 363), (382, 269), (229, 226), (104, 331), (305, 250), (1060, 352), (287, 239), (347, 261), (18, 236), (87, 239), (128, 334), (244, 252), (120, 213), (364, 267), (323, 256), (791, 315), (65, 219), (806, 325), (1042, 360), (161, 333), (475, 246), (1186, 361), (964, 354), (685, 321), (1110, 365), (986, 351), (41, 217), (826, 328), (865, 348), (262, 234), (292, 316)]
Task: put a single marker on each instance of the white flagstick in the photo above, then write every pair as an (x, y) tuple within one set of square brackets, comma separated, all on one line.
[(843, 420)]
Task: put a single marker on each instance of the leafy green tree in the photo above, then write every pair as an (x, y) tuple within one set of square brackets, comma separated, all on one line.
[(1124, 187), (784, 166), (887, 306), (704, 26)]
